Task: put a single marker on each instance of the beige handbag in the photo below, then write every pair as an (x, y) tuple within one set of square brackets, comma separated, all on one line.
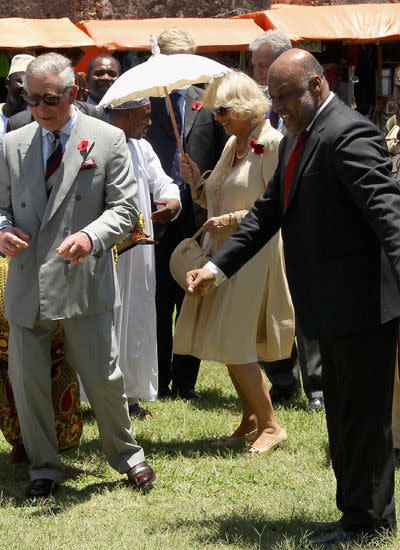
[(187, 255)]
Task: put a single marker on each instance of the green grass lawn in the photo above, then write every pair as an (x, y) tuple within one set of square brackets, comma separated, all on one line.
[(203, 498)]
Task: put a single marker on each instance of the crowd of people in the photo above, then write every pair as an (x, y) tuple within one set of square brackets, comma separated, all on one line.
[(297, 201)]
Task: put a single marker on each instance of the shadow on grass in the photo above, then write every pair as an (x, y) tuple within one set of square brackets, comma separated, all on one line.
[(214, 398), (87, 414), (247, 529), (66, 497), (171, 448)]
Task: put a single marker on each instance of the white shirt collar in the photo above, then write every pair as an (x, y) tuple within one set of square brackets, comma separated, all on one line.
[(322, 107)]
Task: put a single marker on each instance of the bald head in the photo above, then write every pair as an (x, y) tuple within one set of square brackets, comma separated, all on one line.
[(297, 87)]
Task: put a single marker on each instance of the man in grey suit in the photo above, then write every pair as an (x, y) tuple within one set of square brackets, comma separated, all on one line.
[(67, 194)]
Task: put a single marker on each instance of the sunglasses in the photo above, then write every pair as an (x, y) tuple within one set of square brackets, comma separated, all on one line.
[(221, 111), (48, 99)]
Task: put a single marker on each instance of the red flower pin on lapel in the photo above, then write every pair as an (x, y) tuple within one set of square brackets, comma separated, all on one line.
[(196, 105), (258, 148), (83, 145)]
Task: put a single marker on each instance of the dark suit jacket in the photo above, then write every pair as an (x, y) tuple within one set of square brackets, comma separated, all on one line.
[(341, 227), (25, 117), (203, 140)]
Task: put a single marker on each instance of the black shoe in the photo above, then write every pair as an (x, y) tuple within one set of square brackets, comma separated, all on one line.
[(325, 526), (164, 393), (139, 412), (344, 537), (41, 488), (282, 394), (315, 404), (186, 394)]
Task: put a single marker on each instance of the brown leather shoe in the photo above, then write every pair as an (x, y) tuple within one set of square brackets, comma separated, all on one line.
[(141, 476), (41, 488)]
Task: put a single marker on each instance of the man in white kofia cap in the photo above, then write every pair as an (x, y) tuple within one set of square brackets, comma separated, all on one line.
[(14, 85), (135, 320)]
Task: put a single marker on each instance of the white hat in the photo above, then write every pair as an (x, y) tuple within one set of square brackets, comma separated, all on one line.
[(131, 104), (19, 63)]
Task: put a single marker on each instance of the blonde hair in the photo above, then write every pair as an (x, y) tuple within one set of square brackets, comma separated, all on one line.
[(240, 94), (173, 41)]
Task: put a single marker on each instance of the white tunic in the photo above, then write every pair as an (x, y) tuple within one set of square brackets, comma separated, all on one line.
[(135, 320)]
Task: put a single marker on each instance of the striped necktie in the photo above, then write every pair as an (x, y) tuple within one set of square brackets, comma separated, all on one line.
[(55, 156)]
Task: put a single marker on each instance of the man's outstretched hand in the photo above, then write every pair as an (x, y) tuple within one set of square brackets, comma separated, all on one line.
[(199, 281), (12, 240), (167, 211)]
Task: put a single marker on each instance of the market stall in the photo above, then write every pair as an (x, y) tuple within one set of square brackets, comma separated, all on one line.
[(210, 35), (355, 43)]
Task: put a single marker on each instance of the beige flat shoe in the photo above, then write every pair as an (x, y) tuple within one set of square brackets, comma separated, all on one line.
[(233, 440), (273, 444)]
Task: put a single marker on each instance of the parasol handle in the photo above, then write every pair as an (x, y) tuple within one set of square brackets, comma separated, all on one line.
[(173, 120)]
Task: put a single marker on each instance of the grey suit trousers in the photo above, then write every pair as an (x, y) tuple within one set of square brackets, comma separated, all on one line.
[(91, 349)]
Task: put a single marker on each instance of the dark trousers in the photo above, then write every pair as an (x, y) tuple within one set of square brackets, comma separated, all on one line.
[(306, 358), (358, 373), (181, 370)]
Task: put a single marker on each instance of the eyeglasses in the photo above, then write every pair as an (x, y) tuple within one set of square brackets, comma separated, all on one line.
[(48, 99), (221, 111)]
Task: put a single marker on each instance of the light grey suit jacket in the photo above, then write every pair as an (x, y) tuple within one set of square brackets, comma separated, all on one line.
[(101, 199)]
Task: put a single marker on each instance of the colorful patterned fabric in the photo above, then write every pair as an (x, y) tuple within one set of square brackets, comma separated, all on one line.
[(65, 388)]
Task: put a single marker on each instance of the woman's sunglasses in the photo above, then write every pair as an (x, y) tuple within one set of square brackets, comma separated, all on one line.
[(48, 99), (221, 111)]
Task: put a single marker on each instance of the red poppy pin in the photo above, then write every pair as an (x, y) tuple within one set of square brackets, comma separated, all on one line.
[(258, 148), (196, 105), (83, 145)]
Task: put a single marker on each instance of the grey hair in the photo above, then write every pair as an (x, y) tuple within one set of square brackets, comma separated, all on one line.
[(276, 41), (52, 63)]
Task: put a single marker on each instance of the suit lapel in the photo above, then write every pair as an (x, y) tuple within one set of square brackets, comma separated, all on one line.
[(190, 113), (68, 170), (31, 152), (312, 142)]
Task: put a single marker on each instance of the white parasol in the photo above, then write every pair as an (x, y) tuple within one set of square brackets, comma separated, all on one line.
[(159, 76)]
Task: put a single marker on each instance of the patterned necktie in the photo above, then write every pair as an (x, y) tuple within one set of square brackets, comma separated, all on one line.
[(55, 156), (291, 167), (174, 96)]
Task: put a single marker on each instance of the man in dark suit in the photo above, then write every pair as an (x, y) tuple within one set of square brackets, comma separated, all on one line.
[(203, 139), (338, 206)]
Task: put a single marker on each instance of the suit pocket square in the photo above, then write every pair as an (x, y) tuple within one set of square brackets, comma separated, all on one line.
[(88, 164)]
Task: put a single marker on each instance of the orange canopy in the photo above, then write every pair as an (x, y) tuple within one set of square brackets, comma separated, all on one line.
[(19, 34), (210, 35), (353, 22)]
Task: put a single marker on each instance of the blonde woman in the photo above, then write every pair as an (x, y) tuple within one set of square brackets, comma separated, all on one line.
[(251, 315)]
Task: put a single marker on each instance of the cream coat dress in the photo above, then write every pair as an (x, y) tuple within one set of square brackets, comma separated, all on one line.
[(249, 316)]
